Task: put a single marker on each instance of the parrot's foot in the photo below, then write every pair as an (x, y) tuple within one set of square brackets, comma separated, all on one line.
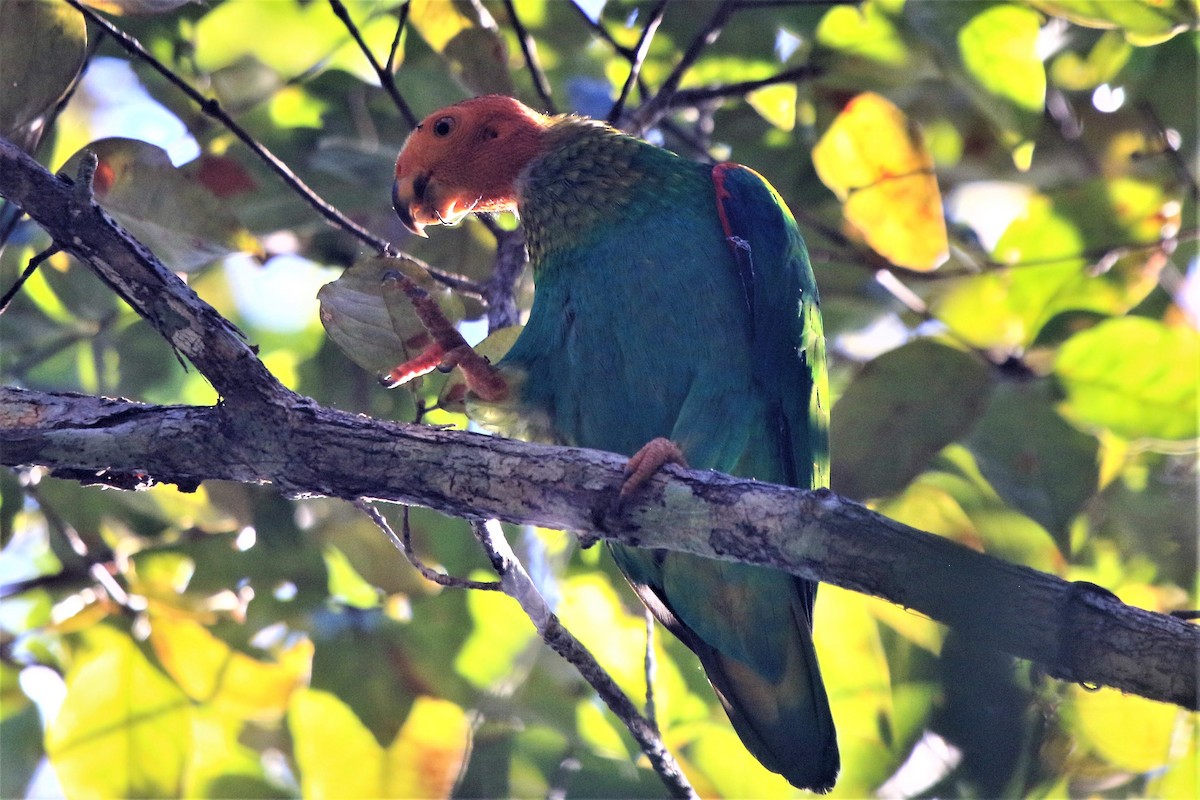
[(482, 378), (649, 460)]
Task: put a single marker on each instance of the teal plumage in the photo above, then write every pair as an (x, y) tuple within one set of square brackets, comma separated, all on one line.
[(674, 299)]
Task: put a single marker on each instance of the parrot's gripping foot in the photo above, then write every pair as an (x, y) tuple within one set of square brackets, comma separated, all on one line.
[(649, 460)]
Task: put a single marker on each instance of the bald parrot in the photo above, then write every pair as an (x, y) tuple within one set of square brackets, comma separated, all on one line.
[(675, 317)]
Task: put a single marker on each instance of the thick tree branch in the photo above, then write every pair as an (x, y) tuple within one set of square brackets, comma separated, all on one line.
[(264, 433), (1075, 632)]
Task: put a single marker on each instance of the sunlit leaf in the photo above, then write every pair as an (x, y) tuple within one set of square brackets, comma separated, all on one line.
[(899, 412), (302, 36), (998, 48), (374, 323), (1034, 459), (1052, 245), (1144, 22), (875, 162), (422, 761), (776, 104), (858, 679), (476, 52), (212, 672), (1130, 732), (501, 633), (124, 730), (1107, 57), (180, 220), (866, 32), (1134, 376), (42, 46), (120, 7)]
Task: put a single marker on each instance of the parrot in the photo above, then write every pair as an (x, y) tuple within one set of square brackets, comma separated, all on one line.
[(675, 317)]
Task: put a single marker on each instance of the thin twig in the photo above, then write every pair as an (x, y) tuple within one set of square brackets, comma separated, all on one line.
[(518, 585), (650, 667), (404, 545), (401, 22), (384, 72), (691, 97), (31, 268), (1179, 163), (599, 29), (529, 50), (210, 107), (639, 58), (651, 110)]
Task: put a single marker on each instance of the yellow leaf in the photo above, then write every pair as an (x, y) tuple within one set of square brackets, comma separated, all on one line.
[(210, 671), (124, 729), (1130, 732), (877, 164), (423, 761)]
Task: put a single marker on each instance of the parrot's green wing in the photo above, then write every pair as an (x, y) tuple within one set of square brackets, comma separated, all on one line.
[(752, 627)]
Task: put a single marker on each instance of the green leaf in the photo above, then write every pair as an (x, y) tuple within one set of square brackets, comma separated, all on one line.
[(1106, 58), (902, 409), (42, 48), (294, 37), (1052, 245), (990, 50), (1034, 459), (179, 219), (124, 729), (1133, 376), (1144, 22), (372, 321)]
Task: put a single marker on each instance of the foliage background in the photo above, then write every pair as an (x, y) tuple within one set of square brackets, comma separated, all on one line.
[(1032, 395)]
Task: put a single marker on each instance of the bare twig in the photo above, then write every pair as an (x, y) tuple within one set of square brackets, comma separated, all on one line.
[(651, 110), (650, 668), (599, 29), (639, 58), (529, 51), (26, 274), (404, 545), (690, 97), (518, 585), (210, 107), (383, 71)]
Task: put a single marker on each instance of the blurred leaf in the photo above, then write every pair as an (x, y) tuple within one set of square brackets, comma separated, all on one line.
[(119, 7), (422, 761), (1050, 246), (1033, 458), (20, 744), (866, 32), (899, 412), (776, 104), (124, 729), (500, 635), (42, 48), (859, 682), (1134, 376), (1106, 58), (998, 48), (1144, 22), (183, 223), (372, 321), (474, 48), (302, 36), (213, 673), (873, 159), (1105, 720)]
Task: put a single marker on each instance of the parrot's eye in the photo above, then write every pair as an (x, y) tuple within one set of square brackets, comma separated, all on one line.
[(443, 126)]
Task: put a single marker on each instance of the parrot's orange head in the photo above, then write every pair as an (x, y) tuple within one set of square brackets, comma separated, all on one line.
[(465, 158)]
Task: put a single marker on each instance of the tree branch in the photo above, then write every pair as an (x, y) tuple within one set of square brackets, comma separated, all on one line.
[(1074, 632)]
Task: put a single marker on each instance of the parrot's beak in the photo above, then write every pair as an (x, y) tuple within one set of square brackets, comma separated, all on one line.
[(405, 200)]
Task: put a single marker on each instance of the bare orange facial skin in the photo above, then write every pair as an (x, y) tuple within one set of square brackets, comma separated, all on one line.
[(465, 158)]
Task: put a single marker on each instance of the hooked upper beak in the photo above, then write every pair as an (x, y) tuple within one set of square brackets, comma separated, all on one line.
[(406, 198)]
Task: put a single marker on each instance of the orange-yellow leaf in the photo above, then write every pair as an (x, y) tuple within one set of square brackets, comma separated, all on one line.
[(877, 164), (210, 671)]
